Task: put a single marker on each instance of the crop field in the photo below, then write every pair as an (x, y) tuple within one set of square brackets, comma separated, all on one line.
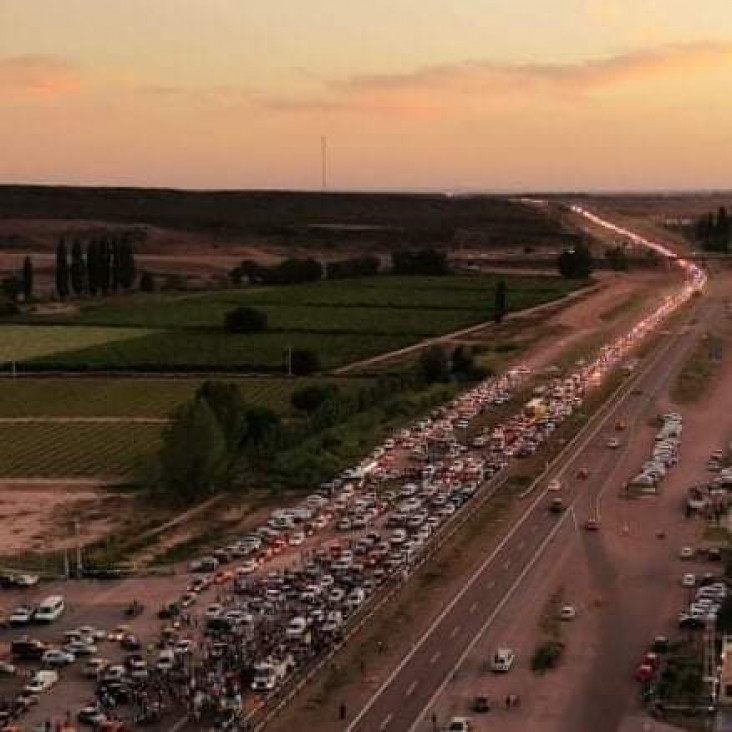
[(73, 450), (342, 320), (24, 342), (137, 397)]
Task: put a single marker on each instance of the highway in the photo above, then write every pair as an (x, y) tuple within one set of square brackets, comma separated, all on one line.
[(404, 702)]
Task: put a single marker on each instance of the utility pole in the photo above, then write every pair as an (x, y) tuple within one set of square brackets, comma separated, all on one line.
[(77, 531), (289, 360), (324, 162)]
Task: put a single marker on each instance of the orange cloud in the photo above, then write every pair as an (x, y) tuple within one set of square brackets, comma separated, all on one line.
[(481, 80), (37, 75)]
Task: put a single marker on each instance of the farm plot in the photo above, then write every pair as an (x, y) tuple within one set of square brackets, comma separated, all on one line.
[(134, 397), (341, 320), (23, 342), (180, 350), (74, 450)]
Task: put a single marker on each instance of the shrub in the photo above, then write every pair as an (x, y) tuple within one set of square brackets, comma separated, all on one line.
[(547, 656), (245, 320), (304, 361), (309, 398)]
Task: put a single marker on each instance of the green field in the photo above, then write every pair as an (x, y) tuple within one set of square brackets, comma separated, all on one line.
[(143, 397), (25, 342), (73, 450), (342, 320)]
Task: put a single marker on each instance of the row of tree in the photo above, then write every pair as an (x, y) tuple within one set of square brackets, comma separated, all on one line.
[(714, 231), (16, 286), (102, 266), (427, 261)]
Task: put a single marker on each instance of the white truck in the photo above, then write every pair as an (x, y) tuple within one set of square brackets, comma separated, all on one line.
[(271, 672)]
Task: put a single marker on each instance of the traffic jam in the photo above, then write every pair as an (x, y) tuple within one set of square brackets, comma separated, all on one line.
[(260, 611)]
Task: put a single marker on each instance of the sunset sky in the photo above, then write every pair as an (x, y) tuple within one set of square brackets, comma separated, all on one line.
[(412, 94)]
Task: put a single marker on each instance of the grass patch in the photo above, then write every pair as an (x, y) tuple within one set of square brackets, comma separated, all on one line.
[(25, 342)]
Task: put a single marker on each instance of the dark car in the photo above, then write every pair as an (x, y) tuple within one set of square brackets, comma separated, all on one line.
[(481, 704), (130, 642)]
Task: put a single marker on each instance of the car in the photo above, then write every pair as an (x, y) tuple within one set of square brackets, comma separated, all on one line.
[(55, 657), (80, 648), (686, 552), (213, 611), (7, 668), (95, 667), (130, 642), (166, 660), (556, 505), (459, 724), (620, 425), (613, 443), (554, 485), (188, 599), (91, 715), (688, 580), (41, 681), (502, 660), (592, 524), (26, 580), (568, 612), (22, 615), (91, 632), (481, 704), (118, 633)]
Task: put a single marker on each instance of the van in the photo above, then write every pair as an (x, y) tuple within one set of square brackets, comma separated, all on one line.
[(50, 609)]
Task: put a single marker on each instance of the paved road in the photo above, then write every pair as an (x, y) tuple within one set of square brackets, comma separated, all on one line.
[(404, 701)]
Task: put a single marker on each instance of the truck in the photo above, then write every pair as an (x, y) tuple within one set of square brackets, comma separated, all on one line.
[(271, 672)]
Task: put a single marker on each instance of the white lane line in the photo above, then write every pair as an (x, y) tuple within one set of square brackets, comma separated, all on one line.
[(411, 688), (454, 631), (434, 658), (473, 607), (509, 594), (385, 723)]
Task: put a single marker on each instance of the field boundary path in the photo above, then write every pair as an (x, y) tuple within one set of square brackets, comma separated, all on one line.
[(83, 420), (470, 330)]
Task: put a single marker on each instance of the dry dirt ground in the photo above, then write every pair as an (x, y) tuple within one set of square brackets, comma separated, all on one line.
[(37, 515)]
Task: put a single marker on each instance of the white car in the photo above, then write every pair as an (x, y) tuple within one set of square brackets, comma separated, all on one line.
[(21, 615), (459, 724), (57, 657), (213, 611), (502, 660), (613, 443), (94, 667), (568, 612), (166, 660), (688, 580), (297, 538), (686, 552), (554, 485), (42, 681)]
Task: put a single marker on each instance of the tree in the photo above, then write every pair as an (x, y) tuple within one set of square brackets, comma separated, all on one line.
[(245, 319), (304, 361), (463, 362), (500, 306), (310, 398), (78, 269), (260, 424), (147, 282), (93, 266), (575, 263), (27, 278), (227, 404), (193, 456), (127, 269), (434, 364), (62, 270)]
